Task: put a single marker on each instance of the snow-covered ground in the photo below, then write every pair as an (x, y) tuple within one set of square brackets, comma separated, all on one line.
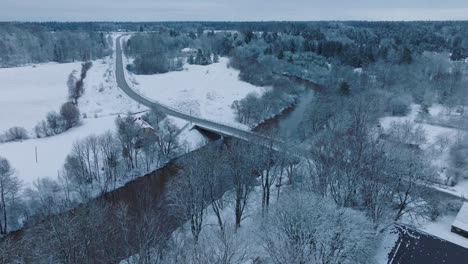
[(31, 92), (202, 91), (28, 93), (387, 243), (439, 154), (51, 151), (432, 131), (190, 139), (441, 227), (102, 97)]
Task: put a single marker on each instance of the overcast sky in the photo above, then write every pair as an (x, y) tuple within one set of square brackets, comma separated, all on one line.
[(238, 10)]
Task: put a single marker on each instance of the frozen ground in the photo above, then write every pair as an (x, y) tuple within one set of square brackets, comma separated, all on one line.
[(102, 97), (51, 151), (203, 91), (439, 154), (31, 92), (441, 227), (28, 93), (388, 241), (432, 131)]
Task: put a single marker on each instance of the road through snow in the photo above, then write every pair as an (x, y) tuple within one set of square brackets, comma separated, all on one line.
[(215, 127)]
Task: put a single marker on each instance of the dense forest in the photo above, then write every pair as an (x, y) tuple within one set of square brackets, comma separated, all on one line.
[(34, 43), (407, 58)]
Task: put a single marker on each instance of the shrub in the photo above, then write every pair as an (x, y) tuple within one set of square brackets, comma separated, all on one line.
[(70, 115), (399, 106), (55, 122), (42, 130), (252, 71), (15, 134)]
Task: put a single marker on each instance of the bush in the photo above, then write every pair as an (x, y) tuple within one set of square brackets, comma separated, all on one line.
[(85, 66), (55, 122), (70, 115), (154, 117), (252, 71), (43, 130), (398, 106), (15, 134)]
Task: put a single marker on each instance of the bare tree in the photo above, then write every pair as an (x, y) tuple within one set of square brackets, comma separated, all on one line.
[(110, 155), (188, 194), (266, 159), (241, 171), (212, 167), (410, 172), (9, 188), (168, 141), (127, 134), (303, 228)]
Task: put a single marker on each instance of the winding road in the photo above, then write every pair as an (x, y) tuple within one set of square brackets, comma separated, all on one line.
[(208, 125)]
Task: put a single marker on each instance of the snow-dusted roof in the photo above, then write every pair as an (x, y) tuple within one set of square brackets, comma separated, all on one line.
[(461, 221), (142, 123)]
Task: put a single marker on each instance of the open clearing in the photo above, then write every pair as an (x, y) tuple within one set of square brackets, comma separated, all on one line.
[(202, 91)]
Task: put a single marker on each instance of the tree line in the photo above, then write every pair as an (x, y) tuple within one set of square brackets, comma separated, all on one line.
[(34, 43)]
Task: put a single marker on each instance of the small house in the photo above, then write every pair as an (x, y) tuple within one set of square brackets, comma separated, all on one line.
[(143, 125), (460, 225)]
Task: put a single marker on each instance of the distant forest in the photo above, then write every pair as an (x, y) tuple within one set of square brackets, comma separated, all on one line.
[(404, 62), (354, 43), (34, 43)]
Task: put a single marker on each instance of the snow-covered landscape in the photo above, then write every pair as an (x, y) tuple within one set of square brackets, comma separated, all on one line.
[(233, 142), (26, 101), (202, 91), (30, 92), (44, 90)]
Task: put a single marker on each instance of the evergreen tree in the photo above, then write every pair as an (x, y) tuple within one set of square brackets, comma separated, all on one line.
[(344, 89), (199, 58), (457, 54), (424, 110), (406, 56), (191, 60), (215, 58), (281, 55)]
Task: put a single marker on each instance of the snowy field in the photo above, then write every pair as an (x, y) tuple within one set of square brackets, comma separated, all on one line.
[(31, 92), (28, 93), (51, 151), (439, 155), (202, 91), (432, 131), (390, 237)]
